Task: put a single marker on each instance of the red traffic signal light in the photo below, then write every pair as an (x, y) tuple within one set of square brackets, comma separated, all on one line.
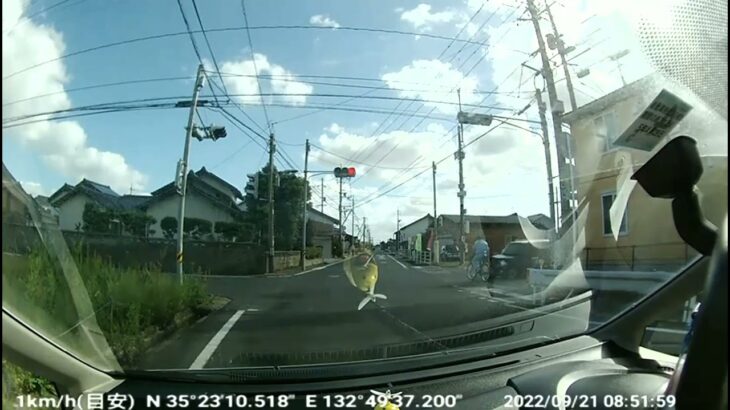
[(344, 172)]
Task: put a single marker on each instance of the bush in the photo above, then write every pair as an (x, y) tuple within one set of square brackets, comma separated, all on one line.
[(314, 252), (168, 225)]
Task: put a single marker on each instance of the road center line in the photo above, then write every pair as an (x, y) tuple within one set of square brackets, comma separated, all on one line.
[(398, 262), (210, 348)]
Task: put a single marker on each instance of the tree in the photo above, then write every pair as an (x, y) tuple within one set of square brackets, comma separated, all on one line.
[(233, 231), (197, 228), (288, 204), (168, 225), (96, 219)]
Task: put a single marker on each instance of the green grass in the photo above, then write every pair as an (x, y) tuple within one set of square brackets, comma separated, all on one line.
[(131, 305)]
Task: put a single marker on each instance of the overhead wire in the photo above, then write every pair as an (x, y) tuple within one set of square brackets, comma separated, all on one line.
[(253, 61), (215, 30)]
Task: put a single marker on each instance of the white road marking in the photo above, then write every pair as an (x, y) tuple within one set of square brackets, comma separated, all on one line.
[(210, 348), (319, 268), (398, 262)]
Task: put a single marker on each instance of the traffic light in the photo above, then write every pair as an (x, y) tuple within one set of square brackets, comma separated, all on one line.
[(252, 187), (551, 42), (344, 172), (216, 132)]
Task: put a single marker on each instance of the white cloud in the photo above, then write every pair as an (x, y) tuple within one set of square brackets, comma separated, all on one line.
[(243, 80), (423, 19), (504, 172), (323, 21), (63, 145), (33, 188), (433, 80)]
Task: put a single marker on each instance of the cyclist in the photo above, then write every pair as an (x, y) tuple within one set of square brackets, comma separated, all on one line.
[(481, 252)]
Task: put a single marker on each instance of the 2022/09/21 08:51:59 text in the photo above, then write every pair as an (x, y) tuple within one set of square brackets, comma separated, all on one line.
[(617, 401)]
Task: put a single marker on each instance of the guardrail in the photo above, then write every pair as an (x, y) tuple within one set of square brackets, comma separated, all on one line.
[(420, 257)]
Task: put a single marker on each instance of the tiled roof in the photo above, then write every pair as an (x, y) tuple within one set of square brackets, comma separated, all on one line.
[(537, 219)]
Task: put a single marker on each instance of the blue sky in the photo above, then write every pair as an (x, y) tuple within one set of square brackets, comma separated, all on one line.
[(141, 148)]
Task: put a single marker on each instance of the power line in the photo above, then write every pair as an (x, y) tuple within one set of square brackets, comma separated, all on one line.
[(466, 75), (427, 169), (195, 47), (352, 160), (43, 10), (367, 97), (253, 61), (222, 30), (210, 49), (95, 86)]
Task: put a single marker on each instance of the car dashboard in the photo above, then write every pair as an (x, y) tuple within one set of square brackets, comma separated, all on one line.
[(587, 370)]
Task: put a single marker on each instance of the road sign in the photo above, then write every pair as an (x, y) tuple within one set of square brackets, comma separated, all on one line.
[(654, 124), (474, 119)]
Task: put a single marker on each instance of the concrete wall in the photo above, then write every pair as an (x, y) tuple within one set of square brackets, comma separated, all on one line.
[(326, 243), (71, 212), (215, 258), (286, 260), (196, 206)]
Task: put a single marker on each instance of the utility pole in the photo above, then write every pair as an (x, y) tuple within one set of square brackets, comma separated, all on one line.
[(183, 167), (342, 239), (461, 194), (304, 206), (436, 248), (272, 150), (560, 45), (397, 230), (321, 188), (556, 111), (546, 146), (352, 234)]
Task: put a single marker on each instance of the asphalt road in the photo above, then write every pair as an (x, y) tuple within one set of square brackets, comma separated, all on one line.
[(310, 317)]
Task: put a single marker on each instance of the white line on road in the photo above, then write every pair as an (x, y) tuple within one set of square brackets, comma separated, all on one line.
[(209, 349), (319, 268), (398, 262)]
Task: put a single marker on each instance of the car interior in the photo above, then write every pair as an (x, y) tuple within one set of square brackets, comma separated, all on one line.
[(603, 362), (606, 366)]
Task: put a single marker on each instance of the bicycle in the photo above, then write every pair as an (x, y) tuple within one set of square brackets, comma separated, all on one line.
[(482, 270)]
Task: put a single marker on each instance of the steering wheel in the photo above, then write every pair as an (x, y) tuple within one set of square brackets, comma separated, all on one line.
[(702, 381)]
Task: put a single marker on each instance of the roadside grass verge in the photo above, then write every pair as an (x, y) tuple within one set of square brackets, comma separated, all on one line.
[(134, 307)]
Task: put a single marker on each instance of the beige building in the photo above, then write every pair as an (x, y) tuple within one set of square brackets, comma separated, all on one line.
[(641, 234)]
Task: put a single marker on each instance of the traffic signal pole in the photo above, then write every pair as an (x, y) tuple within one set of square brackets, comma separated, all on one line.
[(462, 192), (184, 169), (342, 241)]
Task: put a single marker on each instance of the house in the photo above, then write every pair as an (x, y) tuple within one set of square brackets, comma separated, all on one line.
[(408, 234), (497, 230), (321, 228), (15, 210), (644, 238), (70, 202), (208, 198)]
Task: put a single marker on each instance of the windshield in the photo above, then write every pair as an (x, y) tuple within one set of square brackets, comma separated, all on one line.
[(198, 185)]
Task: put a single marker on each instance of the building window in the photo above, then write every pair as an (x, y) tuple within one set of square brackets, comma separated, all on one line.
[(606, 127), (606, 202)]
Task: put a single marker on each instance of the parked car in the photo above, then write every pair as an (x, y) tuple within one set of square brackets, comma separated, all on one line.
[(450, 253), (518, 256)]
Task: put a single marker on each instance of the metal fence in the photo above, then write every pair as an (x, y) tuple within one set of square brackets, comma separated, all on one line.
[(650, 257)]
